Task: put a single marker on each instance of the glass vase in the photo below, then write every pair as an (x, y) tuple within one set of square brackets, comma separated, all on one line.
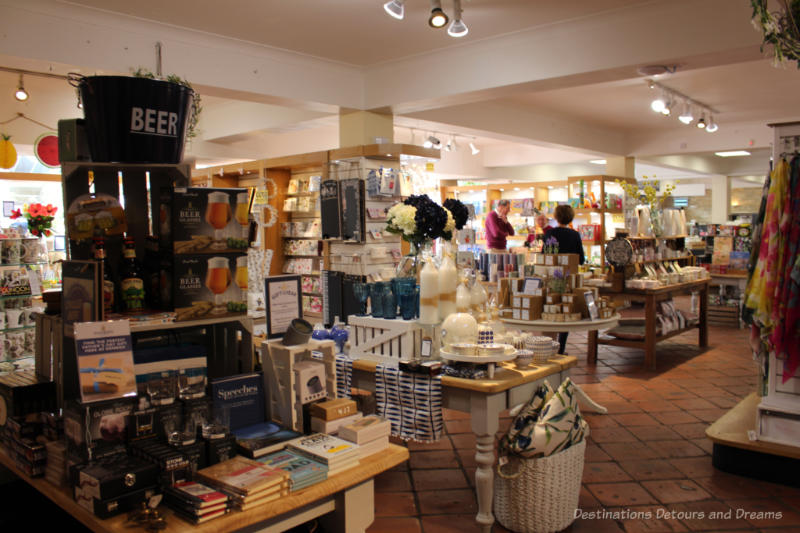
[(655, 222), (410, 264)]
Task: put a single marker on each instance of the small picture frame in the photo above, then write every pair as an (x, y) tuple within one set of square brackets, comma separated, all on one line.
[(8, 207), (531, 284), (591, 305), (426, 347)]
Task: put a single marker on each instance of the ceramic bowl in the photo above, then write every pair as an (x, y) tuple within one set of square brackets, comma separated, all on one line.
[(524, 358), (463, 348), (491, 349)]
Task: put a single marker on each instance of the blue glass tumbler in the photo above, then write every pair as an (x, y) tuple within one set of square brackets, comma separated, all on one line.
[(406, 295), (361, 292), (376, 291), (390, 300)]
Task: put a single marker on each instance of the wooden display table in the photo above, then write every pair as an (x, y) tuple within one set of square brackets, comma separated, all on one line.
[(592, 326), (485, 399), (650, 297), (346, 499)]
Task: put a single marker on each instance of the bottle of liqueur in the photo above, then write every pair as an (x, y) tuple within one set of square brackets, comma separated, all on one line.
[(131, 279), (108, 276)]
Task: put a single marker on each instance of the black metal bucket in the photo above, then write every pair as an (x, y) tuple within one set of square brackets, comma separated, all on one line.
[(134, 120)]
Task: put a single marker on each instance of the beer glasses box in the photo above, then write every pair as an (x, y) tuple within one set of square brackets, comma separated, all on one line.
[(205, 286), (203, 220)]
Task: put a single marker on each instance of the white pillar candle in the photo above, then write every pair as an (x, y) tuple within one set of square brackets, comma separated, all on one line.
[(448, 280), (429, 294), (478, 296), (463, 299)]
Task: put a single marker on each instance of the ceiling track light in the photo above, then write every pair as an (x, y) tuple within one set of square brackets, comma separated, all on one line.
[(457, 27), (438, 18), (668, 100), (474, 148), (21, 94), (395, 8)]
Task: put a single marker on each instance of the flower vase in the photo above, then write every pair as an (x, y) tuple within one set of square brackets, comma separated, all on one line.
[(410, 263), (655, 222)]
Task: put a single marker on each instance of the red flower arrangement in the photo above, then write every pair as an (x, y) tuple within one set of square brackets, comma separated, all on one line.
[(40, 218)]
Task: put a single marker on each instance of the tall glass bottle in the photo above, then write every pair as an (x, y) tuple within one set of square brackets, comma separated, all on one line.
[(131, 279), (108, 275)]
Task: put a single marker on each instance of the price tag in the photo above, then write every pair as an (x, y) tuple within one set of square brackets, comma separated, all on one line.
[(35, 282), (261, 198)]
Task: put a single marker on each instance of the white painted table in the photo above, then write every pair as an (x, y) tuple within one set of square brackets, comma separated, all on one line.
[(592, 326), (484, 400)]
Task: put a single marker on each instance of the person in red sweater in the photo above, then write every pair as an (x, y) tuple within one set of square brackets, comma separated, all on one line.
[(498, 227)]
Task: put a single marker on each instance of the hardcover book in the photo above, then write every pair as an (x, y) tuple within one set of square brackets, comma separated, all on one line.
[(327, 449), (303, 470), (196, 494), (243, 476), (239, 399), (260, 439)]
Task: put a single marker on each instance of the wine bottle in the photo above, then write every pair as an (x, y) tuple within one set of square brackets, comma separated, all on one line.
[(131, 279), (108, 275)]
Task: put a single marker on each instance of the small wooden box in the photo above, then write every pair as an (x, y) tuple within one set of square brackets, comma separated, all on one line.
[(333, 409), (554, 298)]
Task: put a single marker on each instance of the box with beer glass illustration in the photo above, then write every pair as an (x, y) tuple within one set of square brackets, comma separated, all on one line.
[(205, 286), (203, 220)]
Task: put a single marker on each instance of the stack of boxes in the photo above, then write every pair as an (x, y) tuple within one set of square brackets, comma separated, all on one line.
[(526, 301), (605, 307), (203, 241), (329, 416)]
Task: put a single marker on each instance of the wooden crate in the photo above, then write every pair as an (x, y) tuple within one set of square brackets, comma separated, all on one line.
[(279, 380), (723, 315), (381, 339)]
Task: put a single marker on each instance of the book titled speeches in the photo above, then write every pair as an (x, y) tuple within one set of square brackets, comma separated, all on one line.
[(239, 399)]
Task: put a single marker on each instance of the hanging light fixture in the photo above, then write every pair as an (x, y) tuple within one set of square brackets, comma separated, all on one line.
[(21, 94), (438, 17), (395, 8), (659, 103), (428, 141), (667, 108), (449, 146), (457, 27), (686, 117), (712, 125), (702, 122), (474, 148)]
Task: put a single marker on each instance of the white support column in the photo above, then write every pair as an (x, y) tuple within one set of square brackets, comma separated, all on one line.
[(720, 199)]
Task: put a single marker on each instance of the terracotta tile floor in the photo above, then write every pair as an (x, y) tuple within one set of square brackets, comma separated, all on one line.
[(648, 453)]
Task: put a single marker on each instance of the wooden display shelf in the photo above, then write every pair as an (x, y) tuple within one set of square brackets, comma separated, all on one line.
[(269, 515)]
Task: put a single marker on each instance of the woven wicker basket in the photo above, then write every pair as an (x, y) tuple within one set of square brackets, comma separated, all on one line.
[(544, 496)]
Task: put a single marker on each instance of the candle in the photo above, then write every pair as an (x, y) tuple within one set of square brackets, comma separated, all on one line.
[(463, 299), (478, 296), (429, 294), (448, 279)]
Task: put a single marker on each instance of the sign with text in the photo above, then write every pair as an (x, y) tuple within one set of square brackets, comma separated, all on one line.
[(105, 360), (284, 302)]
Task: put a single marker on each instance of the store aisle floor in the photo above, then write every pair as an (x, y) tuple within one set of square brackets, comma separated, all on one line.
[(648, 453)]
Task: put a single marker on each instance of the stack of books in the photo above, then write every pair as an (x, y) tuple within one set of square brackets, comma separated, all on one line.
[(371, 433), (332, 451), (249, 482), (56, 470), (195, 502), (303, 471)]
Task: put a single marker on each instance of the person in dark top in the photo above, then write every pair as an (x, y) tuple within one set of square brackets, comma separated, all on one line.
[(569, 242)]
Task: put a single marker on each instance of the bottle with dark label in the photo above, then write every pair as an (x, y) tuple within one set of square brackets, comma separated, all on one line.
[(152, 273), (131, 279), (108, 277)]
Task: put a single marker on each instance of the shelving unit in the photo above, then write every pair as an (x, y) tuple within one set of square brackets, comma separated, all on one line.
[(602, 211)]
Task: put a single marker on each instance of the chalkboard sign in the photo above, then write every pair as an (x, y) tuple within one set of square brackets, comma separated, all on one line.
[(353, 210), (329, 209)]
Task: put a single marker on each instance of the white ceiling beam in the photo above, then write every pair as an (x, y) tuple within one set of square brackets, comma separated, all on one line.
[(522, 125), (97, 40), (607, 47), (236, 118)]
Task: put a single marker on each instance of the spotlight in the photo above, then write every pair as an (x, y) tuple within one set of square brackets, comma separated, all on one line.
[(474, 148), (712, 125), (433, 142), (21, 93), (658, 104), (667, 109), (395, 8), (449, 146), (457, 27), (686, 117), (438, 17), (702, 122)]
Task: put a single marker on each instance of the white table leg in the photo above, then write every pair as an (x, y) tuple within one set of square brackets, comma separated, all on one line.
[(355, 510), (485, 411)]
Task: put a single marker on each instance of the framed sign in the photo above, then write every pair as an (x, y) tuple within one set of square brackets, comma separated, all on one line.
[(8, 207), (531, 284), (284, 303), (591, 305), (105, 360)]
